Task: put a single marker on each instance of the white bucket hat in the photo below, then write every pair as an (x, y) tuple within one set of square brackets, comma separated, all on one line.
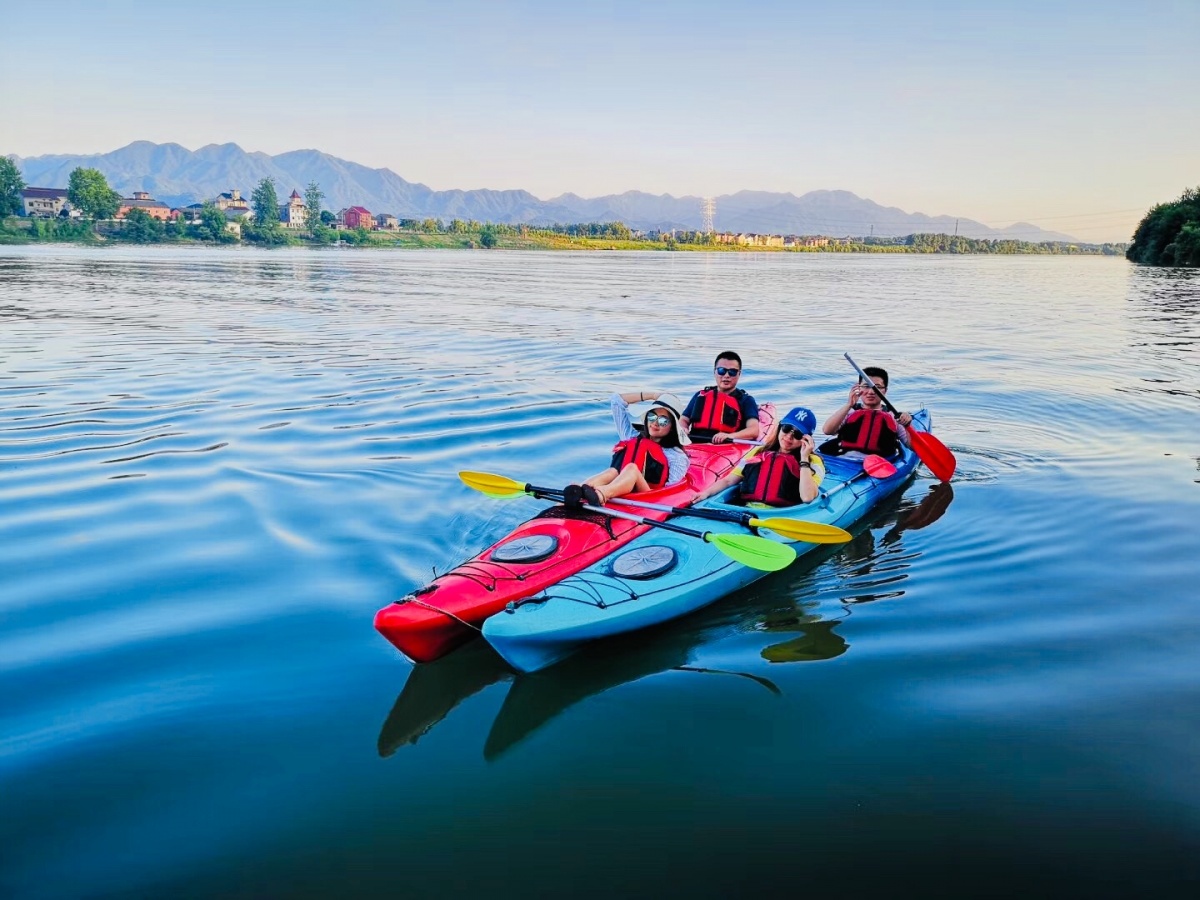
[(672, 404)]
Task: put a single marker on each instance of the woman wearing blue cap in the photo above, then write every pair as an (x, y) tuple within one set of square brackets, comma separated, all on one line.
[(782, 473)]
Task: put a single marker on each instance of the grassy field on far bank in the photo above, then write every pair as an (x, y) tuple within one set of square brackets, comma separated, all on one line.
[(20, 230)]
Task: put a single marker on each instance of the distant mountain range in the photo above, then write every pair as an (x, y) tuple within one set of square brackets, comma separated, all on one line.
[(179, 176)]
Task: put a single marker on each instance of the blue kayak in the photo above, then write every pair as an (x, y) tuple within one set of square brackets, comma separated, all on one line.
[(662, 575)]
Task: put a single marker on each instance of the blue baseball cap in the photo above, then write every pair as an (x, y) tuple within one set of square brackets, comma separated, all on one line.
[(801, 418)]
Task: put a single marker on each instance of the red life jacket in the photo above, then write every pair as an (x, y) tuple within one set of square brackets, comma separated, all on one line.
[(718, 412), (647, 455), (773, 478), (869, 431)]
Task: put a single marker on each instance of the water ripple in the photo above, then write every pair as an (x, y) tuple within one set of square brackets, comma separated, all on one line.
[(215, 466)]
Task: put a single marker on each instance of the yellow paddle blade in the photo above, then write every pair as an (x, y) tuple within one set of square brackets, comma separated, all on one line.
[(799, 530), (510, 495), (493, 485)]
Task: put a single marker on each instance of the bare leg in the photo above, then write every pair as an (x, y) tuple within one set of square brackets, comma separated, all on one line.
[(605, 477), (610, 484)]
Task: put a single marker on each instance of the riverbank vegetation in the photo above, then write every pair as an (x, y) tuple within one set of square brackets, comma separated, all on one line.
[(95, 206), (1169, 235), (138, 227)]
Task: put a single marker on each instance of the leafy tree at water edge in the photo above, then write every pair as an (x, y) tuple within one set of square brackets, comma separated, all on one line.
[(266, 205), (1169, 234), (11, 185), (88, 191), (140, 227), (313, 195)]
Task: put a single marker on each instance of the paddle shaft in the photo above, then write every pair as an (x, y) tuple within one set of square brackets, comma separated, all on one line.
[(749, 550), (551, 494), (790, 529), (718, 515), (929, 449), (878, 461), (844, 484), (873, 386)]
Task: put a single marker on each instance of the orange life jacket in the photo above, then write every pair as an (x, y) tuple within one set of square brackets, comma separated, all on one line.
[(647, 455), (869, 431), (718, 412), (773, 478)]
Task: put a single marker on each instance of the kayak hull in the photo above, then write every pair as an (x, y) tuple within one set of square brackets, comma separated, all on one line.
[(662, 575), (435, 619)]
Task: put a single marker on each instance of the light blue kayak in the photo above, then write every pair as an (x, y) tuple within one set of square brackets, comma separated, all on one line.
[(662, 575)]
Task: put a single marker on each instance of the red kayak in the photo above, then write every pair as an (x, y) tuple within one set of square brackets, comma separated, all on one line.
[(433, 620)]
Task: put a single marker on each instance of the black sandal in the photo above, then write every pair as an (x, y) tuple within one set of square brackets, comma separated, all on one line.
[(591, 496), (573, 496)]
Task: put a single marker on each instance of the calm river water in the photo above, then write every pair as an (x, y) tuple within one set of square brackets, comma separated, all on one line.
[(216, 465)]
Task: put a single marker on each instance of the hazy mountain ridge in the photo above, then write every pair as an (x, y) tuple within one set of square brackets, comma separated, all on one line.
[(179, 176)]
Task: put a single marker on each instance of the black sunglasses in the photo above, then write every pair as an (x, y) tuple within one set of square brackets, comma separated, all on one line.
[(791, 429), (723, 370)]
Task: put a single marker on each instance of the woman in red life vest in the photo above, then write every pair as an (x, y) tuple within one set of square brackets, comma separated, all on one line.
[(782, 473), (862, 426), (641, 461)]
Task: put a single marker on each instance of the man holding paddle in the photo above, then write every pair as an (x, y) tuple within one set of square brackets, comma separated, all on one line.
[(862, 426), (936, 455)]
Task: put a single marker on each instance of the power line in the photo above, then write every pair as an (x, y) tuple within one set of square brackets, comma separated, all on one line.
[(1108, 212)]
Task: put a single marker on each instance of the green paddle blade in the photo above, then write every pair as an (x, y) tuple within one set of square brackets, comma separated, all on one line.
[(750, 550), (809, 532)]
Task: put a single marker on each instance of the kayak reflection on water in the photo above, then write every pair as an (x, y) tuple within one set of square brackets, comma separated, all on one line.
[(880, 567), (782, 604), (434, 689)]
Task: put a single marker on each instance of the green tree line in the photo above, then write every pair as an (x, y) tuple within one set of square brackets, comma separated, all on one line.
[(1169, 234), (946, 243)]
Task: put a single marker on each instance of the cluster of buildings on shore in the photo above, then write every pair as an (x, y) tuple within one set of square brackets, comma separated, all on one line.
[(771, 240), (48, 203), (53, 202)]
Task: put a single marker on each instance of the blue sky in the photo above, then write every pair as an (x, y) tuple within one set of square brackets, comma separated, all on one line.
[(1075, 116)]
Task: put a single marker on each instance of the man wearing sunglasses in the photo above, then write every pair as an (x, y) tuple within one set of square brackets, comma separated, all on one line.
[(862, 426), (723, 411)]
